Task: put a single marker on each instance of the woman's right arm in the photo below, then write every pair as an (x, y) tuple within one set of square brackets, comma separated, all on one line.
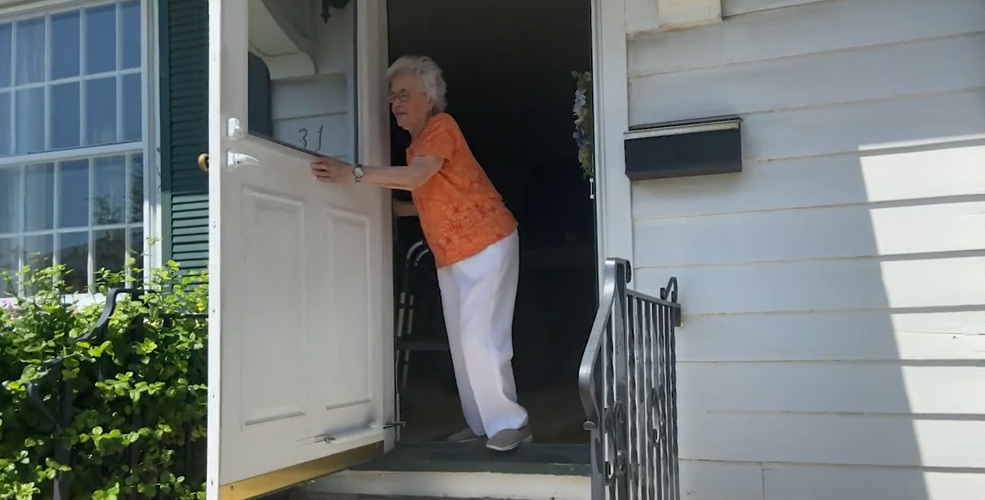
[(403, 208)]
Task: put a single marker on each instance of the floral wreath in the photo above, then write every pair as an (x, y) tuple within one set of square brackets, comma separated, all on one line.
[(584, 134)]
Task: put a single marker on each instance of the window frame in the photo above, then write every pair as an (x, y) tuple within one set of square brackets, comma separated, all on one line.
[(148, 146)]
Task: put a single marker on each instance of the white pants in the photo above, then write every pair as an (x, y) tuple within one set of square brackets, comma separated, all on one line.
[(478, 295)]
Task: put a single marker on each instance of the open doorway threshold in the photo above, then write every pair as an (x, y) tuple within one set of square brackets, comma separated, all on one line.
[(534, 458)]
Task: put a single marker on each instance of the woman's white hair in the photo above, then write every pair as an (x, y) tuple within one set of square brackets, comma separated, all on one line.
[(428, 72)]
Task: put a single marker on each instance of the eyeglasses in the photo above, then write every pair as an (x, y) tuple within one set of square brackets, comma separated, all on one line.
[(400, 97)]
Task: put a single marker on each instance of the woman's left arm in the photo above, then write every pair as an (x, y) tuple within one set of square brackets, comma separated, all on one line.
[(407, 178)]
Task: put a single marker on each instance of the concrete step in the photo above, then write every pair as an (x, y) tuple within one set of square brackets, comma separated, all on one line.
[(359, 485), (374, 497), (531, 472)]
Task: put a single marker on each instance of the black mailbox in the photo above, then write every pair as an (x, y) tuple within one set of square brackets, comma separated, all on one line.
[(684, 148)]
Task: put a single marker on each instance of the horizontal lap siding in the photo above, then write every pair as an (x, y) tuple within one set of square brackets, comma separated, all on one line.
[(834, 336)]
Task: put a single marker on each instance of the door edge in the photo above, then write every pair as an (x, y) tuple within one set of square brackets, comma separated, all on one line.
[(291, 476)]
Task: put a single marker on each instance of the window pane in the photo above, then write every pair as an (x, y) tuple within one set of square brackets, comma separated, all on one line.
[(100, 113), (10, 199), (65, 120), (9, 263), (137, 251), (39, 251), (74, 255), (133, 116), (130, 38), (6, 131), (100, 43), (29, 129), (65, 45), (29, 35), (73, 194), (6, 54), (111, 249), (110, 199), (137, 245), (137, 188), (39, 197)]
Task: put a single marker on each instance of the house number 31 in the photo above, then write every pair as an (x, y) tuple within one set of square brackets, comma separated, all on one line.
[(303, 138)]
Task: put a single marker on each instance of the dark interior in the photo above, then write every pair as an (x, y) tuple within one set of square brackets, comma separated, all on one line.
[(508, 65)]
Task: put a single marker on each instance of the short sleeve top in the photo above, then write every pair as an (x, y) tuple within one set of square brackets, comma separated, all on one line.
[(461, 212)]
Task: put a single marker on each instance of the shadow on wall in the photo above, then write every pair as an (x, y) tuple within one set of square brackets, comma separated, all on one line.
[(834, 299)]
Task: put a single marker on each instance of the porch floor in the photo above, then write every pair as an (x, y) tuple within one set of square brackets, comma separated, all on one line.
[(433, 412)]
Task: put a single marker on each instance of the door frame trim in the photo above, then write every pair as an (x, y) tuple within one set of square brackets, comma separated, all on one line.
[(614, 225), (613, 202), (372, 143)]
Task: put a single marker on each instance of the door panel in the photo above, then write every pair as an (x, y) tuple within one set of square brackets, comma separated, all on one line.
[(300, 284)]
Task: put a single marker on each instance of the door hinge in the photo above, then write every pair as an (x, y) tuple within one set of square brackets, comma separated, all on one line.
[(388, 425), (324, 438)]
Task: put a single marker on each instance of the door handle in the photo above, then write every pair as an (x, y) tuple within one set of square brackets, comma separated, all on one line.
[(234, 160)]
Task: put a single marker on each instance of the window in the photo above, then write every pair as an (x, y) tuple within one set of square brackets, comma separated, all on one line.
[(72, 138)]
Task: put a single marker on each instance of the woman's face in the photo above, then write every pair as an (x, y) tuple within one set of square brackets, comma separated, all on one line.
[(409, 102)]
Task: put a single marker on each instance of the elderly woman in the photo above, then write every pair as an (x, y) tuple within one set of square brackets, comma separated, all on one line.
[(473, 238)]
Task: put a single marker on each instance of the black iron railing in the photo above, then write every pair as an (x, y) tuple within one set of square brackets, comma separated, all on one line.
[(628, 385), (62, 405)]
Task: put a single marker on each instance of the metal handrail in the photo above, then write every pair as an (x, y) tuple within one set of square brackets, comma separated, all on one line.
[(627, 383), (593, 349)]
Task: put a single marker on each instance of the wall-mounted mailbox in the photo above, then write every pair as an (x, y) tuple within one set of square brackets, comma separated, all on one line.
[(684, 148)]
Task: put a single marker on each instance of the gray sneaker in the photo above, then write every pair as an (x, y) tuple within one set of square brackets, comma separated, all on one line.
[(466, 436), (509, 439)]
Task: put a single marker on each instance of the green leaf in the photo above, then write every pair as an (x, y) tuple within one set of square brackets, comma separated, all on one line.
[(143, 396)]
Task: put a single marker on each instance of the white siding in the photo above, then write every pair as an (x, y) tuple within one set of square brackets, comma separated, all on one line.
[(834, 291)]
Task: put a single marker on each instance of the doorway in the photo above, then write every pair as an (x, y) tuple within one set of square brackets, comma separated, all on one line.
[(508, 65)]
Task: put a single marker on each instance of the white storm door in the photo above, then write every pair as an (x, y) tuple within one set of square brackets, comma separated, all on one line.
[(300, 287)]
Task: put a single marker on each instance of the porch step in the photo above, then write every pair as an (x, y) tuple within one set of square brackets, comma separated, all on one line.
[(535, 471), (361, 485), (372, 497)]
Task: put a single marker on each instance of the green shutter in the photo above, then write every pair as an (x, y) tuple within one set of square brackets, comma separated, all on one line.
[(184, 28), (184, 127)]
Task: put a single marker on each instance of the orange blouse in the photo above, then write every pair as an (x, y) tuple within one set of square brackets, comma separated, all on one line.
[(461, 213)]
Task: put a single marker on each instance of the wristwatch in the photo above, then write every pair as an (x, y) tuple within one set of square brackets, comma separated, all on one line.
[(358, 172)]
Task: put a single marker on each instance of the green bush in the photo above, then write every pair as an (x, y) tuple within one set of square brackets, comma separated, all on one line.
[(128, 400)]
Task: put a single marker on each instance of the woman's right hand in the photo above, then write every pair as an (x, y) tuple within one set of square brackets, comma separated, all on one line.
[(403, 208)]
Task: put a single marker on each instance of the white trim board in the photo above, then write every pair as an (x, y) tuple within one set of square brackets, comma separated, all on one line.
[(451, 485), (610, 71), (153, 213)]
